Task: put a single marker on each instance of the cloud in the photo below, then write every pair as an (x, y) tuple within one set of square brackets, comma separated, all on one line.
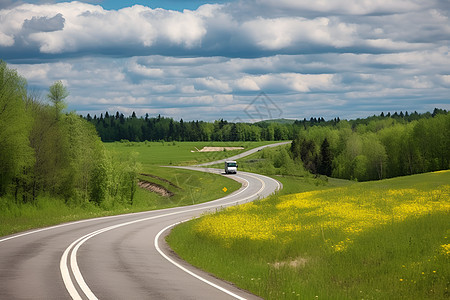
[(6, 40), (144, 71), (232, 30), (313, 58), (282, 33), (44, 24), (247, 83), (213, 84), (93, 29), (349, 7)]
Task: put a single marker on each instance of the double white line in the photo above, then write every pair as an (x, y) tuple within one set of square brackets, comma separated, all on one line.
[(70, 271)]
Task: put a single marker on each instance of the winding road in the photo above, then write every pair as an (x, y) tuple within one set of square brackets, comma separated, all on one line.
[(119, 257)]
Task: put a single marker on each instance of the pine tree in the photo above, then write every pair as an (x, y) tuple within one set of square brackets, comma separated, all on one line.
[(325, 166)]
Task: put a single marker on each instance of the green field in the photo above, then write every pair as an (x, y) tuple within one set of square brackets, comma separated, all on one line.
[(387, 239), (178, 153), (188, 187)]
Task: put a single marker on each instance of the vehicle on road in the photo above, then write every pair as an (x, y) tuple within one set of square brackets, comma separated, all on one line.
[(231, 167)]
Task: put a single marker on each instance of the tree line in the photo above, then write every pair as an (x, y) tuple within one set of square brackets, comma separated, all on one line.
[(377, 147), (117, 127), (47, 151)]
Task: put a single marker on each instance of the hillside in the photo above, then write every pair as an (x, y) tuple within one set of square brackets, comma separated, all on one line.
[(372, 240)]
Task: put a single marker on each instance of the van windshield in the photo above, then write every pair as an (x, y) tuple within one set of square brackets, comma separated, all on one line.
[(231, 164)]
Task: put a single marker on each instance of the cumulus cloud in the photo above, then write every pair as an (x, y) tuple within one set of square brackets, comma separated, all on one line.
[(44, 24), (329, 57), (6, 40), (282, 33), (224, 30), (75, 26)]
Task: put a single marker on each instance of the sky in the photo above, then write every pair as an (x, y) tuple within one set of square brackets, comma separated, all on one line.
[(240, 60)]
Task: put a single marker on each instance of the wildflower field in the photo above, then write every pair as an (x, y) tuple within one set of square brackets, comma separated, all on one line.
[(388, 239)]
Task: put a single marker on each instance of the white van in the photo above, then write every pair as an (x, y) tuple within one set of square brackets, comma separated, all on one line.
[(230, 167)]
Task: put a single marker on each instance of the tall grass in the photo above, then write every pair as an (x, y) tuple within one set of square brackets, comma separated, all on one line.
[(376, 240)]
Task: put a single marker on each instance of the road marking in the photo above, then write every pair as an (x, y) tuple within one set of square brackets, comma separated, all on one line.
[(190, 272), (72, 223), (263, 185), (53, 227), (73, 248)]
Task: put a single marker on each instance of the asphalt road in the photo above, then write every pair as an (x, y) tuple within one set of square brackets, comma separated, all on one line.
[(118, 257), (243, 154)]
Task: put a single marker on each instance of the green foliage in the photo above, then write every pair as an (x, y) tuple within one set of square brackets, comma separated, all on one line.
[(325, 160), (376, 148), (15, 152), (47, 152), (57, 93), (122, 183), (98, 184), (273, 161), (118, 127)]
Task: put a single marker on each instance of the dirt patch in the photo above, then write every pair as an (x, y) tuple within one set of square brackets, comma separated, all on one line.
[(296, 263), (218, 149), (155, 188), (162, 179)]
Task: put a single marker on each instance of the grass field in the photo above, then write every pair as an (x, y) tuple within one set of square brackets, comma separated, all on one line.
[(388, 239), (189, 187), (178, 153)]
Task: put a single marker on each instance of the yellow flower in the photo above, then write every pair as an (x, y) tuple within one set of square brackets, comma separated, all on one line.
[(347, 210), (445, 249)]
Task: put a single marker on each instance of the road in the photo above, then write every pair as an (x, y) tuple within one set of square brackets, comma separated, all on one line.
[(243, 154), (118, 257)]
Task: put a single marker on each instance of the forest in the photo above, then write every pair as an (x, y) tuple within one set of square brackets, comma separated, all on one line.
[(117, 127), (376, 148), (46, 151)]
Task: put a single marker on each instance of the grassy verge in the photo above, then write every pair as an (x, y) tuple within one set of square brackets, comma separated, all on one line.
[(388, 239), (193, 188)]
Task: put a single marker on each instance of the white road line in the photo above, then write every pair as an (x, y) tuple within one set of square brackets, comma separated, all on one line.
[(64, 268), (263, 185), (52, 227), (72, 223), (190, 272)]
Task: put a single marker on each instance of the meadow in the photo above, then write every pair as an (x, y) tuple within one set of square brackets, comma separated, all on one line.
[(188, 187), (177, 153), (387, 239)]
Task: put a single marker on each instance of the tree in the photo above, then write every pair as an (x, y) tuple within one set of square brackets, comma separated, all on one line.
[(15, 152), (376, 157), (325, 161), (57, 94)]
